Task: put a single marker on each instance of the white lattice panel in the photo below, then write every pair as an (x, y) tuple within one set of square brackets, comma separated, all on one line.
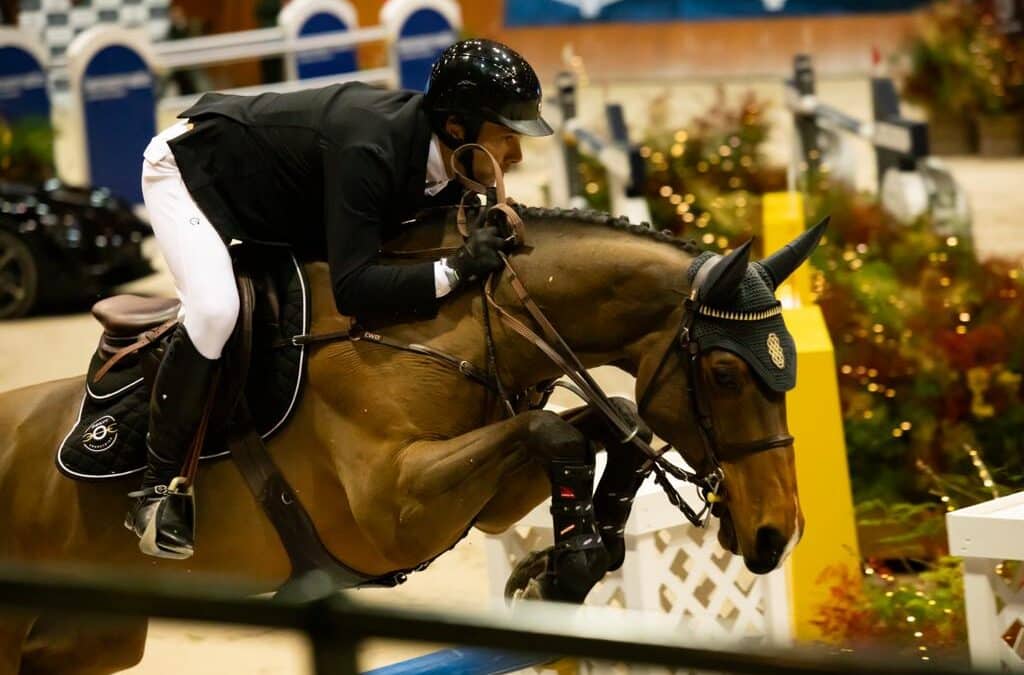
[(672, 568), (990, 538), (680, 571)]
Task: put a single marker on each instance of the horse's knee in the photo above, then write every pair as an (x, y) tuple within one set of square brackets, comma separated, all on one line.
[(555, 438)]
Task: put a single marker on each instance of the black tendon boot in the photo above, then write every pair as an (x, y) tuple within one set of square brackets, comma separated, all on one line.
[(163, 515), (578, 559), (614, 498)]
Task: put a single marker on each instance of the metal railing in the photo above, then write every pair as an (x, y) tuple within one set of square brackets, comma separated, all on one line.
[(259, 43), (336, 623)]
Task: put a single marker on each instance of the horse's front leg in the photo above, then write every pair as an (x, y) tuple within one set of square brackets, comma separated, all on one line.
[(444, 486), (623, 474)]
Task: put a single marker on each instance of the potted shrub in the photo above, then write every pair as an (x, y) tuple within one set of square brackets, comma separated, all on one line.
[(996, 79), (939, 73)]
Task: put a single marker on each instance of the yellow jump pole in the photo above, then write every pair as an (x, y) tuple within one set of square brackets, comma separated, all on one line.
[(815, 420)]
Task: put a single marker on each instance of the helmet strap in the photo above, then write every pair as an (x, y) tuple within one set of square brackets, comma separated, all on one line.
[(472, 129)]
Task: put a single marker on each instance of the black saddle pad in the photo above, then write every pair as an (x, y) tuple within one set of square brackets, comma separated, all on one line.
[(108, 440)]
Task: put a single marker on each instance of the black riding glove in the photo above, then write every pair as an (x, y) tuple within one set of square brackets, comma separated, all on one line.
[(478, 257)]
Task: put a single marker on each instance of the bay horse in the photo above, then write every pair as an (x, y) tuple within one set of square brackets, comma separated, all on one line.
[(395, 456)]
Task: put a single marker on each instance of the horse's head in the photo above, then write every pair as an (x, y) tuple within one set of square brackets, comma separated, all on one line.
[(712, 383)]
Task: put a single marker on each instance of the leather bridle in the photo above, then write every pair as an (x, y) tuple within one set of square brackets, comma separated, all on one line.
[(708, 480), (710, 477)]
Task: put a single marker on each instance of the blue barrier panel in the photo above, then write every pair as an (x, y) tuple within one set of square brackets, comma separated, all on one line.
[(324, 61), (117, 98), (421, 30), (22, 82), (463, 662), (547, 12)]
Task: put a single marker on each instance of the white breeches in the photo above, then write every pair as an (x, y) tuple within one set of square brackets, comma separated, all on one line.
[(195, 253)]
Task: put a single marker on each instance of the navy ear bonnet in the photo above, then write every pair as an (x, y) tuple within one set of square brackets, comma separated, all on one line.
[(749, 325)]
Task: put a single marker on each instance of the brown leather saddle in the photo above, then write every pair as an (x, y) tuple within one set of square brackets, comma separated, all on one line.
[(262, 366), (274, 307)]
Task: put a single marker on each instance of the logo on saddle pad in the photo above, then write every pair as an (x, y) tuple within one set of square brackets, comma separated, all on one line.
[(101, 434)]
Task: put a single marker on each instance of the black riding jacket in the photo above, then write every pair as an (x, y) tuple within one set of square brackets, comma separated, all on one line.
[(331, 172)]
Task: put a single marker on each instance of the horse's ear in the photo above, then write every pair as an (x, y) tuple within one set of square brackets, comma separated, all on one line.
[(784, 262), (725, 277)]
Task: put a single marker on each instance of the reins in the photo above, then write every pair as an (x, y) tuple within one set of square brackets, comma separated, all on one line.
[(554, 347)]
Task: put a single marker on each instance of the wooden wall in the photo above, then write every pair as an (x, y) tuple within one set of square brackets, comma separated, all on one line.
[(631, 51), (226, 17)]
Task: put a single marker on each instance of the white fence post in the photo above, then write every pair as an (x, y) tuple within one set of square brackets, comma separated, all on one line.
[(989, 538)]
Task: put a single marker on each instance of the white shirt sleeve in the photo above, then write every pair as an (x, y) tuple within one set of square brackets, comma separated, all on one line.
[(442, 286)]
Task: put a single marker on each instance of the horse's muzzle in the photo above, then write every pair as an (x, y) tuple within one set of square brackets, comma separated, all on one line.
[(769, 547)]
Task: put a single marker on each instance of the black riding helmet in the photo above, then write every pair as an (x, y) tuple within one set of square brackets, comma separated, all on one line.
[(483, 80)]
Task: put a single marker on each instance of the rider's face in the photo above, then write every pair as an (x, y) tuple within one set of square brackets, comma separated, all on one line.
[(502, 142)]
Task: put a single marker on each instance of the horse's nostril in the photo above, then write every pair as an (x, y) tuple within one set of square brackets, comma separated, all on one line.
[(770, 544)]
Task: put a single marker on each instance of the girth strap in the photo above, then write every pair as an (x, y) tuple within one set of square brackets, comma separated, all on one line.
[(290, 519)]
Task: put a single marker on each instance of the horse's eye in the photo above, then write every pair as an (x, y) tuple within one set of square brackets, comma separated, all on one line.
[(726, 377)]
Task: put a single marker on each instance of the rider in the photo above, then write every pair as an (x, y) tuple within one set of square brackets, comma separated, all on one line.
[(330, 172)]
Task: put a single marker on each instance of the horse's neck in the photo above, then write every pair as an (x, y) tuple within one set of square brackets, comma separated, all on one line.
[(604, 290)]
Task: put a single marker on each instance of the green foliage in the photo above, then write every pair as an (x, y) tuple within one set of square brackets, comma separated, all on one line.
[(960, 62), (929, 368), (714, 171), (927, 363), (26, 151), (912, 615)]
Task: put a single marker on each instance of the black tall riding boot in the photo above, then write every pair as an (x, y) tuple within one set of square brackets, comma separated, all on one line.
[(163, 515)]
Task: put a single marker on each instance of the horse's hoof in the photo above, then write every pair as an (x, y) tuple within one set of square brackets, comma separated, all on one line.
[(524, 581)]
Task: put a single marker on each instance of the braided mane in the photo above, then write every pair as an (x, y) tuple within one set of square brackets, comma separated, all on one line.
[(592, 217)]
